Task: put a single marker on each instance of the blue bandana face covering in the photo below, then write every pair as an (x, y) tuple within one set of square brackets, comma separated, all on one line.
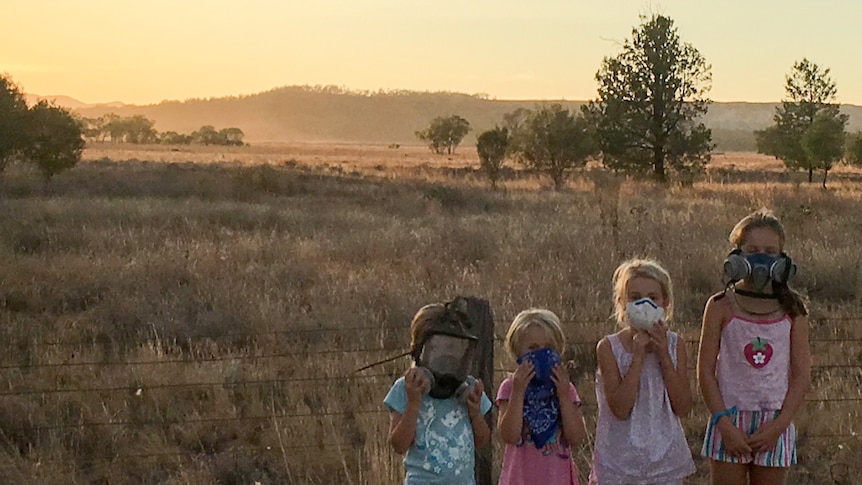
[(541, 403)]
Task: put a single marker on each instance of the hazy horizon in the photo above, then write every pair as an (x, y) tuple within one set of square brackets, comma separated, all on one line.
[(102, 52)]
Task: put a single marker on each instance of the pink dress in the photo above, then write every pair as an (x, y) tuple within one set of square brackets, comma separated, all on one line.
[(524, 464)]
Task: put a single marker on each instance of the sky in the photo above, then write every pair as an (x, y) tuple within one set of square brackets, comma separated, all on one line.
[(146, 52)]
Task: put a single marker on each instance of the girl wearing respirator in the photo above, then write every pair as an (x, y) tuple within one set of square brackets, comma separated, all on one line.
[(754, 364), (436, 409), (642, 385), (539, 408)]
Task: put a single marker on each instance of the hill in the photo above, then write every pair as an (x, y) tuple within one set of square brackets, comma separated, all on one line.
[(301, 113)]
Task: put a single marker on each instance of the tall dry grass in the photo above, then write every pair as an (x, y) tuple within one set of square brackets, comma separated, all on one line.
[(171, 321)]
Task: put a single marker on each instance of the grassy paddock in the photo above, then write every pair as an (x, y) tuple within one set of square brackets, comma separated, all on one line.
[(195, 315)]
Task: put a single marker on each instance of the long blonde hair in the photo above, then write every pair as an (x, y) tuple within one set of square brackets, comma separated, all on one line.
[(640, 268)]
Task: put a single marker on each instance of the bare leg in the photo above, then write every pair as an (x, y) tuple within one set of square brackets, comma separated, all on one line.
[(767, 475), (723, 473)]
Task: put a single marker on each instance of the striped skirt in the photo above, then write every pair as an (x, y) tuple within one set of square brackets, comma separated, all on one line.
[(783, 455)]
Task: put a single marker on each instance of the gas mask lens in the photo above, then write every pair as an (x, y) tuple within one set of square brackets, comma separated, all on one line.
[(447, 355)]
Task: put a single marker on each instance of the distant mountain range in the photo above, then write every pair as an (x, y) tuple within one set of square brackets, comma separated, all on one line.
[(69, 102), (330, 114)]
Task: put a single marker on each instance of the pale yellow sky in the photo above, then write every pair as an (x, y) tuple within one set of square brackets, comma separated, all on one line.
[(146, 52)]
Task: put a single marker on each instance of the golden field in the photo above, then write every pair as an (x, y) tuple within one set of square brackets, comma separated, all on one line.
[(195, 315)]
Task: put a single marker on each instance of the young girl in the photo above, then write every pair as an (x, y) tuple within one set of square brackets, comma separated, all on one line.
[(642, 386), (754, 365), (436, 415), (539, 408)]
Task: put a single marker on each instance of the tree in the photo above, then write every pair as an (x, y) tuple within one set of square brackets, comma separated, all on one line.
[(492, 146), (810, 97), (854, 149), (823, 142), (232, 136), (651, 97), (139, 129), (13, 111), (445, 133), (554, 141), (174, 138), (54, 139), (206, 135)]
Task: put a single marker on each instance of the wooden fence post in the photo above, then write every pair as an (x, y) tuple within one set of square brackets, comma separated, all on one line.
[(483, 368)]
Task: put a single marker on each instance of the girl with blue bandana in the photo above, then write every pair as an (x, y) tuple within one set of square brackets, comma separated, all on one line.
[(539, 408), (642, 385)]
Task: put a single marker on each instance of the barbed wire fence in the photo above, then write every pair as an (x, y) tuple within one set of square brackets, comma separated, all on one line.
[(59, 356)]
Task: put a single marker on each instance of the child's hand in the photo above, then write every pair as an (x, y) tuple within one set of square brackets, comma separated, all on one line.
[(640, 341), (560, 376), (735, 441), (523, 375), (766, 437), (658, 337), (474, 400), (415, 384)]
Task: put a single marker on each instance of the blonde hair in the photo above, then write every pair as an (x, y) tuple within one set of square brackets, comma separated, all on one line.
[(424, 318), (760, 218), (546, 319), (640, 268), (791, 301)]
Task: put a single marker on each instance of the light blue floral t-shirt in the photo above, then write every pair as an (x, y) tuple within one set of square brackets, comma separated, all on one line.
[(442, 452)]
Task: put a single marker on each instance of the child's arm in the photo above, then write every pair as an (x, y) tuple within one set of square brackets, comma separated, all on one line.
[(710, 339), (574, 428), (622, 392), (481, 431), (510, 419), (800, 383), (675, 378), (402, 427)]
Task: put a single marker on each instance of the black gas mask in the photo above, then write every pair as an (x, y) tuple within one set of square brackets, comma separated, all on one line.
[(446, 351), (759, 269)]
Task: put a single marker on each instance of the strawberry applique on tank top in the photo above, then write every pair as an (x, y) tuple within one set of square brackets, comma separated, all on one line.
[(758, 352)]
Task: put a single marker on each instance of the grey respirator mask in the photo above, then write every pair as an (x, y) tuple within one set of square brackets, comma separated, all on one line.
[(446, 353), (759, 269)]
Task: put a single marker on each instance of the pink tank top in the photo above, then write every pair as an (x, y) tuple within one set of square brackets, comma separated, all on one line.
[(754, 363)]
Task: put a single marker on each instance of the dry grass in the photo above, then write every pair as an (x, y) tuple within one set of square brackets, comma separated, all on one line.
[(197, 315)]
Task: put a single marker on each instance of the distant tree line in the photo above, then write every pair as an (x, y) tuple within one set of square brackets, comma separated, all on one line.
[(139, 129), (45, 135), (647, 119)]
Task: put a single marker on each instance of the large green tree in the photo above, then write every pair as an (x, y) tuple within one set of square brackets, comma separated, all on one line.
[(650, 100), (554, 141), (445, 133), (492, 146), (807, 124), (54, 139), (13, 111)]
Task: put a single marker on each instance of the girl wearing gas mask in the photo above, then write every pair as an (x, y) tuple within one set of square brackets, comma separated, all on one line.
[(642, 385), (436, 409), (539, 408), (754, 365)]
